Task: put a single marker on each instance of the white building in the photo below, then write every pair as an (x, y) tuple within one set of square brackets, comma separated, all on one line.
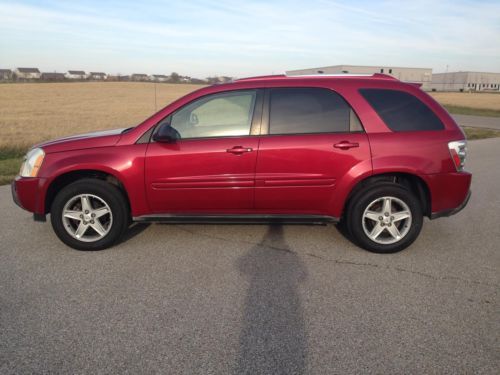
[(422, 76), (76, 74), (159, 78), (98, 76), (466, 81), (23, 74)]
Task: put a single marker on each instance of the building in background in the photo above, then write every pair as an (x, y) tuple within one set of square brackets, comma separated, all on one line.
[(422, 76), (466, 81), (52, 77), (76, 75), (159, 78), (139, 77), (26, 74), (97, 76), (5, 74)]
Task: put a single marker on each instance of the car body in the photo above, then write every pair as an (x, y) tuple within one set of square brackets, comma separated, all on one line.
[(264, 151)]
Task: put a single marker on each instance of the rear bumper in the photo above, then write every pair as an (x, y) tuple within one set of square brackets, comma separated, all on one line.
[(453, 211), (449, 192)]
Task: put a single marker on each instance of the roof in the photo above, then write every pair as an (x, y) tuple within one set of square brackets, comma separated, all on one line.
[(160, 75), (77, 72), (28, 70), (139, 75), (318, 76), (5, 71), (98, 73)]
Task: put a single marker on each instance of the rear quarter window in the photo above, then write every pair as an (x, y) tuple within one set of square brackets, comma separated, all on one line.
[(402, 111)]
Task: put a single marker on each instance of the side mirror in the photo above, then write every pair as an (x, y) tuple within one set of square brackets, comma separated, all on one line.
[(166, 134)]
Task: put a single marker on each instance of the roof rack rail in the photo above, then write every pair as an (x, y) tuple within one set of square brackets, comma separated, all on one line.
[(374, 75), (260, 77), (297, 76)]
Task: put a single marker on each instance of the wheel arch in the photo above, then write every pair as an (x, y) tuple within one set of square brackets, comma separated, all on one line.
[(413, 182), (64, 179)]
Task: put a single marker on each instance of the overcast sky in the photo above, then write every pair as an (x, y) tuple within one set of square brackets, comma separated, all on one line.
[(241, 38)]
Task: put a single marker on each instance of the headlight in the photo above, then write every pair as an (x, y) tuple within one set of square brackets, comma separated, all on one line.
[(32, 163)]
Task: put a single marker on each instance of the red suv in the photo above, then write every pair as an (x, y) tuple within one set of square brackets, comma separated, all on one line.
[(370, 152)]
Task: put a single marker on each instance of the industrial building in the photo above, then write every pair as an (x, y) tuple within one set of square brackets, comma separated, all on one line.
[(466, 81), (417, 75)]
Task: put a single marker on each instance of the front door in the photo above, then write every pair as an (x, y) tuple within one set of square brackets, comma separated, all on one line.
[(211, 167)]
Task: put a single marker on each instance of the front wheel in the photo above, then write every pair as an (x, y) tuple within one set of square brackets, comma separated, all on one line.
[(385, 218), (89, 214)]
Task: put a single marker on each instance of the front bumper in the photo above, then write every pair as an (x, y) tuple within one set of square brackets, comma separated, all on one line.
[(453, 211), (27, 194)]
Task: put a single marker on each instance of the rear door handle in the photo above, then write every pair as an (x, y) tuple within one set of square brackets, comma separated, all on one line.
[(345, 145), (238, 150)]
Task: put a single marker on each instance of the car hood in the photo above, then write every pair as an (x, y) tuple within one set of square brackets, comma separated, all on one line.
[(82, 141)]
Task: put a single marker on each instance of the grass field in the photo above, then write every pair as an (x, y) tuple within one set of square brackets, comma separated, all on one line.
[(31, 113), (477, 104)]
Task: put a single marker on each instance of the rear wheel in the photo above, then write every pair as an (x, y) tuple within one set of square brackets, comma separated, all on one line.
[(89, 215), (384, 218)]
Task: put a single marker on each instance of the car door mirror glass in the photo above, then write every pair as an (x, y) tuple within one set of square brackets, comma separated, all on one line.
[(166, 134)]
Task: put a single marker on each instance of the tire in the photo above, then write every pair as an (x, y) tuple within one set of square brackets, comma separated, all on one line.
[(105, 222), (366, 216)]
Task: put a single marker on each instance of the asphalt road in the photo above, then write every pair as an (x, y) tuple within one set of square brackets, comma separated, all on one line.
[(201, 299), (478, 121)]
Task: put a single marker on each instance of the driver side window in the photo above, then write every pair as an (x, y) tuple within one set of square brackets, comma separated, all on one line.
[(219, 115)]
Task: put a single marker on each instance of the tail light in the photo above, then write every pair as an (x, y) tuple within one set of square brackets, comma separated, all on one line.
[(458, 151)]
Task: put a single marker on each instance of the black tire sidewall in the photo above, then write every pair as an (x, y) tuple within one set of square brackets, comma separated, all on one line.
[(368, 195), (110, 194)]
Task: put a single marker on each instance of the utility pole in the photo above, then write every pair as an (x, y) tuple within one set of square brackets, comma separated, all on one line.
[(155, 96)]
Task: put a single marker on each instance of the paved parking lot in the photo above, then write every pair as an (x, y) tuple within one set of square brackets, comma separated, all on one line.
[(478, 121), (206, 299)]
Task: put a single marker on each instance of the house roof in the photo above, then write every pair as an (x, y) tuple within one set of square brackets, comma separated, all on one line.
[(77, 72), (28, 70), (139, 75), (98, 73), (5, 71), (160, 76)]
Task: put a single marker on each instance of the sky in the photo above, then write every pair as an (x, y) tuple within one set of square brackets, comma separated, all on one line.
[(202, 38)]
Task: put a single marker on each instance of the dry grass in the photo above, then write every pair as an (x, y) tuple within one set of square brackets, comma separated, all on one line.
[(33, 112), (469, 100)]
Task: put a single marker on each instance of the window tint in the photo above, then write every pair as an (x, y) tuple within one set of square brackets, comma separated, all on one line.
[(307, 110), (219, 115), (402, 111)]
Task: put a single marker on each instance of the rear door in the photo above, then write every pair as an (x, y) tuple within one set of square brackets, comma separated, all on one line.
[(211, 168), (313, 139)]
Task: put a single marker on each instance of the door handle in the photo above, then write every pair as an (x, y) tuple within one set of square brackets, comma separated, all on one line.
[(238, 150), (345, 145)]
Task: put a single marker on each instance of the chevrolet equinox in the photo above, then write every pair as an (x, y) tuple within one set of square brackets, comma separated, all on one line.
[(369, 152)]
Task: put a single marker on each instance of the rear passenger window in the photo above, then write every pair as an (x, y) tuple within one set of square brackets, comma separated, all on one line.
[(309, 110), (402, 111)]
